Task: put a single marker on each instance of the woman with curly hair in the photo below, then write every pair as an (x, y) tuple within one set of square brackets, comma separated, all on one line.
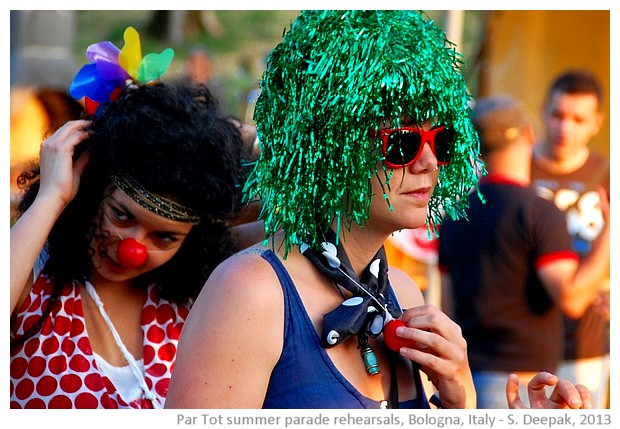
[(124, 219)]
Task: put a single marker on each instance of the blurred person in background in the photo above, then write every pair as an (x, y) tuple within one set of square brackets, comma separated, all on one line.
[(509, 268), (576, 179)]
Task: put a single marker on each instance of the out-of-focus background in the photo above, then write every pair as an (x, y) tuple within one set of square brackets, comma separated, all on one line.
[(514, 51)]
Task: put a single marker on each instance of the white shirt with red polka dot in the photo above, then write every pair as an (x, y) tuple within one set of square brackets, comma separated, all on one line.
[(56, 368)]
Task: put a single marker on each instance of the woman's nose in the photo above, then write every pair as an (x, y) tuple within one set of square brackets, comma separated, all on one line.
[(426, 161), (135, 232), (131, 253)]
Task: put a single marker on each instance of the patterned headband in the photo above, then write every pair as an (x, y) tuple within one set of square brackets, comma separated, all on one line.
[(154, 203)]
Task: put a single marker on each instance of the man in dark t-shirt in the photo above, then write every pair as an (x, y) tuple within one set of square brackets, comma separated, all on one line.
[(509, 271)]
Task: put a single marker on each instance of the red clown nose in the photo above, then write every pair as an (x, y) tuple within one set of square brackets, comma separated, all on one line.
[(130, 253), (393, 341)]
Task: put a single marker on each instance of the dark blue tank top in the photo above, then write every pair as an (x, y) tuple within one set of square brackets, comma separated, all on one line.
[(305, 377)]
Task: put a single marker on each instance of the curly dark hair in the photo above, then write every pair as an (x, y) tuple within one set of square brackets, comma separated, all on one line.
[(173, 140)]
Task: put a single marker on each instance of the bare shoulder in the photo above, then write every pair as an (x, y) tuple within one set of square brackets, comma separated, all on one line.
[(245, 276), (243, 292), (232, 338), (407, 291)]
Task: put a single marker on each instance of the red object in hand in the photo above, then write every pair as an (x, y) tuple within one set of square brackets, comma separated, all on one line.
[(130, 253), (393, 341)]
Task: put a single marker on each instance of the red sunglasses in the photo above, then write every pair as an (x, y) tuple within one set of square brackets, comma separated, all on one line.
[(403, 146)]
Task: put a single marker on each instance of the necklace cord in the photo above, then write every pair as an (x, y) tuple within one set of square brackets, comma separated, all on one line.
[(135, 369)]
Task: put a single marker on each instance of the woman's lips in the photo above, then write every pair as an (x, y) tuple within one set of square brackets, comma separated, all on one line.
[(421, 194)]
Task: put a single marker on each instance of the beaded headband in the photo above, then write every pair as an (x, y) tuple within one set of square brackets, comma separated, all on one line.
[(334, 77), (152, 202)]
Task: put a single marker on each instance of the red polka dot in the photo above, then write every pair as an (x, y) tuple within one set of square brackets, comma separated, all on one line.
[(46, 385), (16, 324), (174, 331), (79, 363), (62, 325), (68, 306), (155, 334), (84, 346), (157, 370), (47, 328), (60, 401), (167, 352), (107, 402), (24, 389), (77, 328), (183, 311), (18, 367), (39, 284), (57, 364), (148, 354), (35, 404), (161, 387), (70, 383), (36, 366), (30, 321), (15, 405), (57, 307), (108, 384), (26, 304), (36, 304), (165, 313), (68, 346), (32, 346), (93, 382), (17, 349), (50, 346), (86, 400), (148, 314)]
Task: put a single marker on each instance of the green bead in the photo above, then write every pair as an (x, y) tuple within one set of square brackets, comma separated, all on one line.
[(370, 360)]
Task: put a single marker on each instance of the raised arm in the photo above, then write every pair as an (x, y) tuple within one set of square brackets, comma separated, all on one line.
[(59, 182), (232, 338)]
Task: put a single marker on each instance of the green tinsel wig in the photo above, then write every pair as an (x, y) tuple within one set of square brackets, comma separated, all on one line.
[(335, 76)]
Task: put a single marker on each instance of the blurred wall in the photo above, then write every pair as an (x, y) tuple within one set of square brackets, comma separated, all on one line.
[(524, 50), (42, 48)]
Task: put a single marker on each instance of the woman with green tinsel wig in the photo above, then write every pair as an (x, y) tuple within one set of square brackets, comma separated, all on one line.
[(313, 317)]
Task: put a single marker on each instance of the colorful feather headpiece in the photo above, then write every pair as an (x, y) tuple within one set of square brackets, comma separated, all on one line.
[(112, 69)]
